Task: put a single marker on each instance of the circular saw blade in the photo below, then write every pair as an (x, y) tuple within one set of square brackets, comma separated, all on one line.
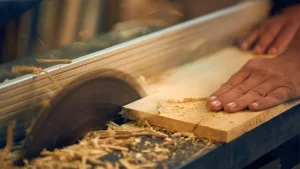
[(80, 108)]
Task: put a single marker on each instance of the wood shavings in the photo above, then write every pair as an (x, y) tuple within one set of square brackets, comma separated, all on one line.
[(134, 134), (137, 140), (96, 144), (114, 147), (26, 69), (84, 160), (148, 143), (9, 142), (94, 161), (189, 135), (208, 144), (143, 122), (36, 70), (126, 164), (178, 107), (127, 143), (66, 61), (114, 126), (109, 165)]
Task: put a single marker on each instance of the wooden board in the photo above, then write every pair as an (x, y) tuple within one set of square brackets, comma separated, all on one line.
[(68, 22), (90, 19), (197, 80)]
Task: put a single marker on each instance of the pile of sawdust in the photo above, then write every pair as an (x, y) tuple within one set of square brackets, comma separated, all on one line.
[(123, 141), (180, 108)]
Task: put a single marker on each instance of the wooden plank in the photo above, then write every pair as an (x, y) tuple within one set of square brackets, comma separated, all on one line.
[(10, 43), (252, 145), (90, 19), (47, 27), (198, 80), (68, 22), (23, 34)]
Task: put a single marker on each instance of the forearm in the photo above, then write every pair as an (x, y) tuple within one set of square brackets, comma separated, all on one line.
[(11, 9)]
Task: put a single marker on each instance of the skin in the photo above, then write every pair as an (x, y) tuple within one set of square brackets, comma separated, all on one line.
[(274, 35), (262, 83)]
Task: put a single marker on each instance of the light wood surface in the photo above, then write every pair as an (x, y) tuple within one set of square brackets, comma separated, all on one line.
[(90, 19), (198, 80), (68, 22), (24, 34), (48, 25)]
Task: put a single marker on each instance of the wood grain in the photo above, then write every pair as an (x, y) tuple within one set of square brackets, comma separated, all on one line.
[(68, 22), (48, 24), (90, 19), (197, 80)]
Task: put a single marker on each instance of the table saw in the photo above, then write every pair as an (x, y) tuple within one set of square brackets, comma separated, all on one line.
[(155, 59)]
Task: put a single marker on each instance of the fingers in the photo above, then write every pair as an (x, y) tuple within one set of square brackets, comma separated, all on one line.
[(236, 92), (274, 98), (247, 42), (253, 95), (235, 80), (272, 38), (285, 37), (268, 36)]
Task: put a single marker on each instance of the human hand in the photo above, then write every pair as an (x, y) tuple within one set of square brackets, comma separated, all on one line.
[(261, 83), (275, 34)]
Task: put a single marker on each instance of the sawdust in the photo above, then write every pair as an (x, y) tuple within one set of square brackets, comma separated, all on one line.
[(180, 107), (9, 143), (36, 70), (26, 69), (125, 140), (54, 61), (96, 145)]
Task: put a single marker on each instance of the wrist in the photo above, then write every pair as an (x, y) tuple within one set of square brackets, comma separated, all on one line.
[(292, 53)]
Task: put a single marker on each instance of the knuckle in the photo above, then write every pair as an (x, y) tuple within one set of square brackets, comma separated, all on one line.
[(278, 96), (290, 85), (229, 84), (257, 93), (224, 99), (241, 89)]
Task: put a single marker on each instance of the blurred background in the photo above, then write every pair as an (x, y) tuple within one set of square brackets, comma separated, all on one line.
[(51, 24)]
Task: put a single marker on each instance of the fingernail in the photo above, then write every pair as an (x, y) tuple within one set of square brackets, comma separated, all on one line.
[(212, 98), (215, 103), (273, 51), (255, 104), (232, 104)]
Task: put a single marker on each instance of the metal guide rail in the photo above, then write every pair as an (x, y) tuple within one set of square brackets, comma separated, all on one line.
[(22, 96)]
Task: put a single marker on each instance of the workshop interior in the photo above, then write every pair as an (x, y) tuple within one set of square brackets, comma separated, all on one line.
[(94, 84)]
